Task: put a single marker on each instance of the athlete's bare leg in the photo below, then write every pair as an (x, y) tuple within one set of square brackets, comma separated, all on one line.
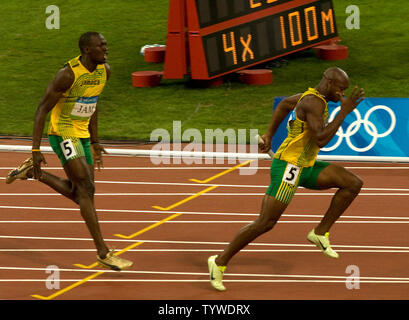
[(79, 187), (79, 173), (61, 185), (349, 185), (271, 211)]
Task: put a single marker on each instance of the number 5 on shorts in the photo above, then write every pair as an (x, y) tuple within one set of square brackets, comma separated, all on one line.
[(291, 174), (68, 149)]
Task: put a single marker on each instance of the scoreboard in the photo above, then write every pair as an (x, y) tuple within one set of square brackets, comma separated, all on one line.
[(224, 36)]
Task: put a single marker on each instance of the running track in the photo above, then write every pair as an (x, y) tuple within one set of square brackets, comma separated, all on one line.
[(169, 225)]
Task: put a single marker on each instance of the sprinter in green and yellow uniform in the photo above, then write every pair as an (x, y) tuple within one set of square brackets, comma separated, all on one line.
[(69, 122), (295, 159), (72, 98), (295, 164)]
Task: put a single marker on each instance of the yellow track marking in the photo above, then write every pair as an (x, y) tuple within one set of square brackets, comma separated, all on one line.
[(82, 266), (148, 228), (94, 275), (221, 173), (56, 294), (185, 200)]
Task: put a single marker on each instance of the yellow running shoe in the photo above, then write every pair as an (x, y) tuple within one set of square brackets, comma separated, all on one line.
[(114, 262), (20, 172), (322, 242), (216, 275)]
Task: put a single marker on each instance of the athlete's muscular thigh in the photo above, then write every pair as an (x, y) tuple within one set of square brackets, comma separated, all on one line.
[(335, 176), (78, 171)]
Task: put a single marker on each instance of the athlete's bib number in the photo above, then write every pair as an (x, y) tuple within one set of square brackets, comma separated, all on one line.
[(291, 174), (68, 149)]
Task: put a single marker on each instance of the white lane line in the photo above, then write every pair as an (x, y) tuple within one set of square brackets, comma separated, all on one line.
[(63, 239), (378, 168), (225, 185), (179, 184), (200, 280), (219, 185), (187, 184), (252, 275), (148, 168), (218, 168), (199, 213), (216, 250), (204, 242), (40, 208), (205, 194), (192, 221)]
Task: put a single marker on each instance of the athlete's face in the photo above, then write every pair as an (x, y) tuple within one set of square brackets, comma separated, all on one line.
[(97, 49), (337, 87)]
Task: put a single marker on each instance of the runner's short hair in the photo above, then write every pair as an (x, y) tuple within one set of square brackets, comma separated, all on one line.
[(85, 39)]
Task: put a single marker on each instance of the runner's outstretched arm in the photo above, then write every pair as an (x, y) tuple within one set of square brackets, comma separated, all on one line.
[(61, 83)]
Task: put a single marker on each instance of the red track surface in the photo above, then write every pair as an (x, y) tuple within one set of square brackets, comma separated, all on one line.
[(286, 267)]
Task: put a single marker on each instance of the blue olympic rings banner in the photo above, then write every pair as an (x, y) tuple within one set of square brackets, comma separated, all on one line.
[(377, 127)]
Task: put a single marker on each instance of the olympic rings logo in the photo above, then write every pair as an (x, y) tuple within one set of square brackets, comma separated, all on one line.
[(354, 127)]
